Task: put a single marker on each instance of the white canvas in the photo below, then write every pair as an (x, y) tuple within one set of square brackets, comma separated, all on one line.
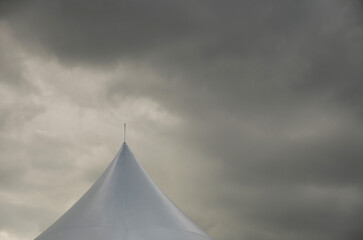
[(124, 204)]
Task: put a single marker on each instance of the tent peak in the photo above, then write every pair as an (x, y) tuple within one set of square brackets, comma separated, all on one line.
[(124, 204)]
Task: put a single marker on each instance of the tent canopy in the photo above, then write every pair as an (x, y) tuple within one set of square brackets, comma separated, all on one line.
[(124, 204)]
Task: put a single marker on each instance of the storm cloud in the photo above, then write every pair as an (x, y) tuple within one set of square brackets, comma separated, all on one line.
[(248, 114)]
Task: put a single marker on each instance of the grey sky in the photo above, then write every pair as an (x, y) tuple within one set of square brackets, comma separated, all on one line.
[(248, 114)]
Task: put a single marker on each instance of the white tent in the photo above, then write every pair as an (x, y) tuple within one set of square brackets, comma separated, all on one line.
[(124, 204)]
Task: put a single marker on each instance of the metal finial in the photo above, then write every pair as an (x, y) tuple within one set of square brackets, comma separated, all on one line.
[(124, 132)]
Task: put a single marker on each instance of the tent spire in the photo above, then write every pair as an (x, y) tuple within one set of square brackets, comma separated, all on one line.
[(114, 209), (124, 132)]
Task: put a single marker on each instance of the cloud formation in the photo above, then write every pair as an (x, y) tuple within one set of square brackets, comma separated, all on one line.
[(247, 114)]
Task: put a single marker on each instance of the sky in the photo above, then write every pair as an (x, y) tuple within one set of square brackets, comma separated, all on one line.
[(247, 114)]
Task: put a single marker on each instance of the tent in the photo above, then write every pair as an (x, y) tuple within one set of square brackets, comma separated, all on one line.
[(124, 204)]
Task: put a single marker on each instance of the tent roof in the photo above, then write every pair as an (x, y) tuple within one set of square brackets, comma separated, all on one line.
[(124, 204)]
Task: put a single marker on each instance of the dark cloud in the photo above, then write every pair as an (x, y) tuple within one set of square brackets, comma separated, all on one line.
[(269, 96), (83, 31)]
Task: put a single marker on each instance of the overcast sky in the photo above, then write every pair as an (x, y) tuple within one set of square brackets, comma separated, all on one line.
[(248, 114)]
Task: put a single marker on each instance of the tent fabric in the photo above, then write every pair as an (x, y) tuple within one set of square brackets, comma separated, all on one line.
[(124, 204)]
